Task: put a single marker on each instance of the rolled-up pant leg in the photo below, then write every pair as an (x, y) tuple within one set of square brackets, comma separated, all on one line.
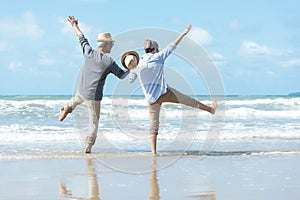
[(154, 110), (73, 102), (94, 115), (172, 96)]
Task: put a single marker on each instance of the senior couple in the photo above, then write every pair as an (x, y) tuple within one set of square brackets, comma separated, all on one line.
[(149, 70)]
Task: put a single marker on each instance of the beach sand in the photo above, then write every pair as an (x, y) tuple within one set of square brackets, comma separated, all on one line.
[(143, 176)]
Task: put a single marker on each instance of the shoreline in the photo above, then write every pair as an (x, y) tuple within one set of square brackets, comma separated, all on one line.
[(146, 154)]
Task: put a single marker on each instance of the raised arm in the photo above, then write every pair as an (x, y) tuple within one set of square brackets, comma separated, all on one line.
[(74, 23), (186, 30)]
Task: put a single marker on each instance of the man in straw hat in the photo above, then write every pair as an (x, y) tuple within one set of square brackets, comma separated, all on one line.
[(150, 72), (97, 65)]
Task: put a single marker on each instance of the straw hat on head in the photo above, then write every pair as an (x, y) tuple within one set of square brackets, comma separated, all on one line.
[(104, 37), (130, 59)]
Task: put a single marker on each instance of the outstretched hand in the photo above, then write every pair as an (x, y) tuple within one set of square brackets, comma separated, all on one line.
[(74, 23), (72, 20), (187, 29)]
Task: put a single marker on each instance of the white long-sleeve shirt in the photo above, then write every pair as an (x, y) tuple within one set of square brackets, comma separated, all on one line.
[(150, 72)]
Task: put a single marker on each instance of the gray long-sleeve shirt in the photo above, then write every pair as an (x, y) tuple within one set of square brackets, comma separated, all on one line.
[(94, 71)]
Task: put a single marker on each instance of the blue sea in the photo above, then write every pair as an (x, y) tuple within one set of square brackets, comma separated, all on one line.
[(29, 127)]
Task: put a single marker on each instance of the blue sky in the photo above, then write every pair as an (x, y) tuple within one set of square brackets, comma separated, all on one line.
[(255, 45)]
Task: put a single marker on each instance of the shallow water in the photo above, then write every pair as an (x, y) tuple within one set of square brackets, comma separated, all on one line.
[(29, 126)]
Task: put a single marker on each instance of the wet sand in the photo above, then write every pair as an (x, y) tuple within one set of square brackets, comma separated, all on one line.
[(143, 176)]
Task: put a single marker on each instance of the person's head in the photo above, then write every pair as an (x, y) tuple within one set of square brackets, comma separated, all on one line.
[(150, 46), (105, 42), (105, 46)]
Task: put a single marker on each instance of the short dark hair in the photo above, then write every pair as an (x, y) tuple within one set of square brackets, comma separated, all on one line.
[(149, 50)]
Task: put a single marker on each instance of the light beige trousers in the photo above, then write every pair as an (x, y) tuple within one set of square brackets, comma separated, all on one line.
[(172, 96), (94, 115)]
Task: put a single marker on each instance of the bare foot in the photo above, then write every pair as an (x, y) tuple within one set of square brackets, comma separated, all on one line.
[(63, 114), (153, 139), (88, 149), (213, 106)]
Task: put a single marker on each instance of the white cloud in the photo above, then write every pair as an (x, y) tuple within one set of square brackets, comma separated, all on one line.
[(21, 26), (45, 58), (218, 59), (15, 65), (200, 36), (217, 56), (290, 63), (271, 74), (4, 46), (249, 48)]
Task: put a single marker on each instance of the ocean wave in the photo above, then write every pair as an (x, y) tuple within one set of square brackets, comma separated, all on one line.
[(246, 112), (29, 120), (267, 103), (264, 108), (23, 134), (17, 133)]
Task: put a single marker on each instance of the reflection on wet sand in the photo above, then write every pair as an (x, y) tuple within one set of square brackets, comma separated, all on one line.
[(93, 193), (93, 186), (209, 196), (154, 187)]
